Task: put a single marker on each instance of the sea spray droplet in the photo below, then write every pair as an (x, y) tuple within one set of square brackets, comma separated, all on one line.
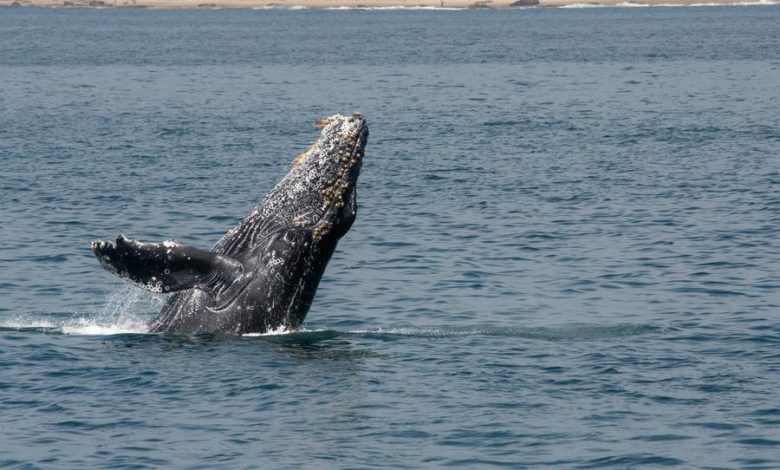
[(127, 310)]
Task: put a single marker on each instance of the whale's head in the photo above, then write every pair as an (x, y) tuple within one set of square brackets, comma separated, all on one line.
[(319, 193)]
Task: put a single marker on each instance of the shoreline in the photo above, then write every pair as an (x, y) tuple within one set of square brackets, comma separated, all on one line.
[(373, 4)]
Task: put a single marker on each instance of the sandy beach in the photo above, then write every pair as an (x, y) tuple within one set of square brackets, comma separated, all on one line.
[(433, 4)]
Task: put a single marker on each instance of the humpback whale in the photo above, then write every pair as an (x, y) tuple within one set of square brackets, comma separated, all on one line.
[(262, 274)]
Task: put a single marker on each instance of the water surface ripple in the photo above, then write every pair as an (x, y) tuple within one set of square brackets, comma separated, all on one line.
[(565, 253)]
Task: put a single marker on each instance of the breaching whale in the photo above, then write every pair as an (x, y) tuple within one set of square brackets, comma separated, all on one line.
[(262, 274)]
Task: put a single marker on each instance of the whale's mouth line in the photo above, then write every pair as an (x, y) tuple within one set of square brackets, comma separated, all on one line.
[(354, 150), (339, 192), (356, 153), (360, 139)]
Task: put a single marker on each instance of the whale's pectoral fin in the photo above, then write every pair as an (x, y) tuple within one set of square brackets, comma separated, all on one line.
[(166, 266)]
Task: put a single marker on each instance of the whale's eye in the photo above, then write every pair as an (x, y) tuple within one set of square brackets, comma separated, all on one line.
[(289, 237)]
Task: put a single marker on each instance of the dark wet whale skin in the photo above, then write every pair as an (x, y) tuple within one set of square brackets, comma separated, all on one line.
[(262, 275)]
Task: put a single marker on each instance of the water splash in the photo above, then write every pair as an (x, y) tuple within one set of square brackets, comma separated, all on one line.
[(28, 323), (121, 314)]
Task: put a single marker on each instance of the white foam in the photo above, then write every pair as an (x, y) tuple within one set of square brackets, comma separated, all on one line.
[(88, 326), (79, 325), (121, 314), (410, 331), (24, 322), (282, 331)]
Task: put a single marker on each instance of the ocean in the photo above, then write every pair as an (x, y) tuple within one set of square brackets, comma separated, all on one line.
[(566, 250)]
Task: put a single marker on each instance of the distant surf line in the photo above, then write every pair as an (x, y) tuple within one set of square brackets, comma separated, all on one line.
[(562, 6)]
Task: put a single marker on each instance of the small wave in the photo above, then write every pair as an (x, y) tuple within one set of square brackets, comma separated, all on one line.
[(583, 5), (596, 5), (560, 333), (281, 7), (668, 5), (280, 331), (398, 7), (297, 336), (566, 332), (741, 4)]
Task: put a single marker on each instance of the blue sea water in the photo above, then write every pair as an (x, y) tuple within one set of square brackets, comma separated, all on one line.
[(566, 252)]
